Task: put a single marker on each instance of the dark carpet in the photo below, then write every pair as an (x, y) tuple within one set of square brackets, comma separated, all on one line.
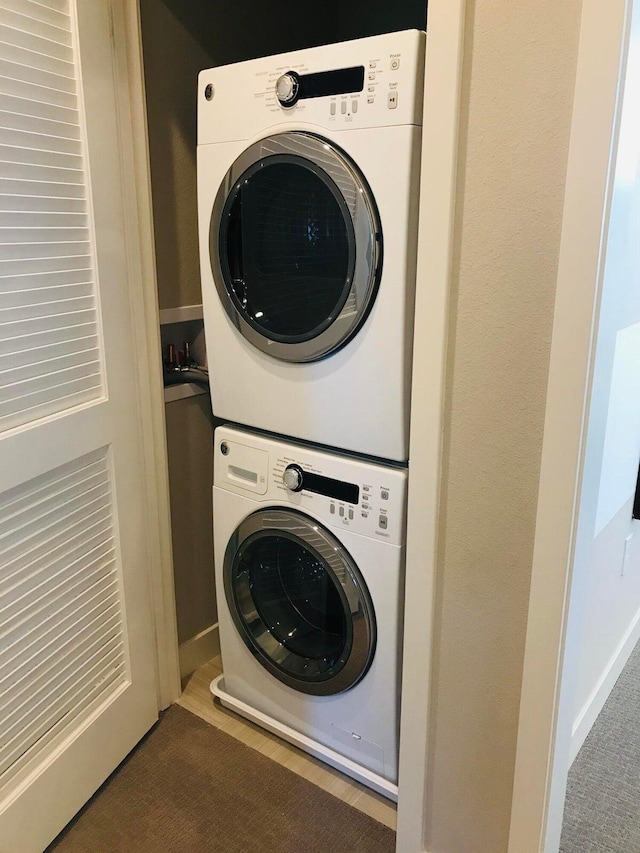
[(189, 787), (602, 809)]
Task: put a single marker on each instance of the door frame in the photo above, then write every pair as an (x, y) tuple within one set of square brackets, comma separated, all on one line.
[(437, 206), (127, 52), (546, 709)]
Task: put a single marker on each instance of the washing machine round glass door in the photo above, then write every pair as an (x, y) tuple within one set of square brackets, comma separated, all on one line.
[(299, 602), (296, 246)]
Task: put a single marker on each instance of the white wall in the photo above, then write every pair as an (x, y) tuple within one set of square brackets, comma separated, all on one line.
[(516, 107), (604, 621)]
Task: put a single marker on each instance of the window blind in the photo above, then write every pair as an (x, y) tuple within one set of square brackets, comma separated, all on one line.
[(50, 351)]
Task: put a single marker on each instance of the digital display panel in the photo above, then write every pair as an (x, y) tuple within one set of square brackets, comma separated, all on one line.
[(344, 81), (337, 489)]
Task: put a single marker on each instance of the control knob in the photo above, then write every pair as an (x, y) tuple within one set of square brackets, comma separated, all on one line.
[(287, 86), (292, 478)]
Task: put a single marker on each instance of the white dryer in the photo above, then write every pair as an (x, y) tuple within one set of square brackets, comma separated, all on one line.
[(309, 560), (308, 167)]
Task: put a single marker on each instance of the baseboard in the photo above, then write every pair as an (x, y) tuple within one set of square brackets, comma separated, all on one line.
[(595, 703), (199, 649)]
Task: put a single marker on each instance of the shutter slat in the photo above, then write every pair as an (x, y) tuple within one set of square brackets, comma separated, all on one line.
[(66, 382), (18, 328), (69, 394), (55, 12), (44, 308), (42, 219), (45, 671), (31, 296), (21, 190), (84, 703), (72, 614), (42, 281), (43, 565), (21, 344), (56, 366), (30, 76), (27, 731), (14, 108), (11, 36), (75, 527), (41, 251), (50, 349), (36, 58), (17, 17), (41, 202), (14, 128), (29, 90), (64, 511), (53, 662), (66, 396), (31, 606), (31, 266), (48, 493), (24, 235), (38, 173), (33, 135), (32, 160), (40, 146)]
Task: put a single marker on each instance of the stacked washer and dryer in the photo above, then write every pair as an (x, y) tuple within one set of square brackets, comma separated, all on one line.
[(308, 168)]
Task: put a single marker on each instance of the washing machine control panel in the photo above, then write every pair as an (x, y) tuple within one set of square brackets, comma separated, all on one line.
[(346, 493)]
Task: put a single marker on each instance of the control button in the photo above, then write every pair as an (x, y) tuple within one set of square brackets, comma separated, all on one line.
[(343, 107), (371, 88), (395, 63), (354, 106), (392, 101), (287, 87), (370, 99), (341, 512), (364, 514), (350, 513), (372, 75), (384, 495), (332, 108), (366, 506), (372, 63), (292, 478), (332, 509), (365, 488), (382, 522)]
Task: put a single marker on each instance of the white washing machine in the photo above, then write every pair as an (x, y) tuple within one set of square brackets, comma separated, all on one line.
[(308, 167), (309, 559)]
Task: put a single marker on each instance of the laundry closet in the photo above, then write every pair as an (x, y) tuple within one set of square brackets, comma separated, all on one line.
[(180, 40)]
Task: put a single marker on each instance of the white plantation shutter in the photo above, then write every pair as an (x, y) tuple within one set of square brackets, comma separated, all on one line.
[(49, 332), (61, 628), (77, 664)]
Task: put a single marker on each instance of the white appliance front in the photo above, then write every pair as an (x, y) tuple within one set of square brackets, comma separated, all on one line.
[(307, 228), (309, 572)]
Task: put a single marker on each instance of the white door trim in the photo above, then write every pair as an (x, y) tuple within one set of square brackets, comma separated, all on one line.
[(546, 708), (147, 369), (443, 75)]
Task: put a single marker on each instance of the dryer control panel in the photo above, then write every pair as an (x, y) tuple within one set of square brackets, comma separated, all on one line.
[(344, 492), (369, 82)]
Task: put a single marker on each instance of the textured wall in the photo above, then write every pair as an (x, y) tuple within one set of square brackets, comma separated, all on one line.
[(518, 79), (172, 59), (605, 605)]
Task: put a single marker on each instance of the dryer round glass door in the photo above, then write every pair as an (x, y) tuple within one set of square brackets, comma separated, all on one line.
[(295, 246), (299, 602)]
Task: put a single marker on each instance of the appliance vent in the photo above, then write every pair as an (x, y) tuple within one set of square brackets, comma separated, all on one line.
[(49, 333), (62, 650)]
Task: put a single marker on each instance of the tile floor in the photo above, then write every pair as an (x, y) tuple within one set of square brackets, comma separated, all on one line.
[(197, 699)]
